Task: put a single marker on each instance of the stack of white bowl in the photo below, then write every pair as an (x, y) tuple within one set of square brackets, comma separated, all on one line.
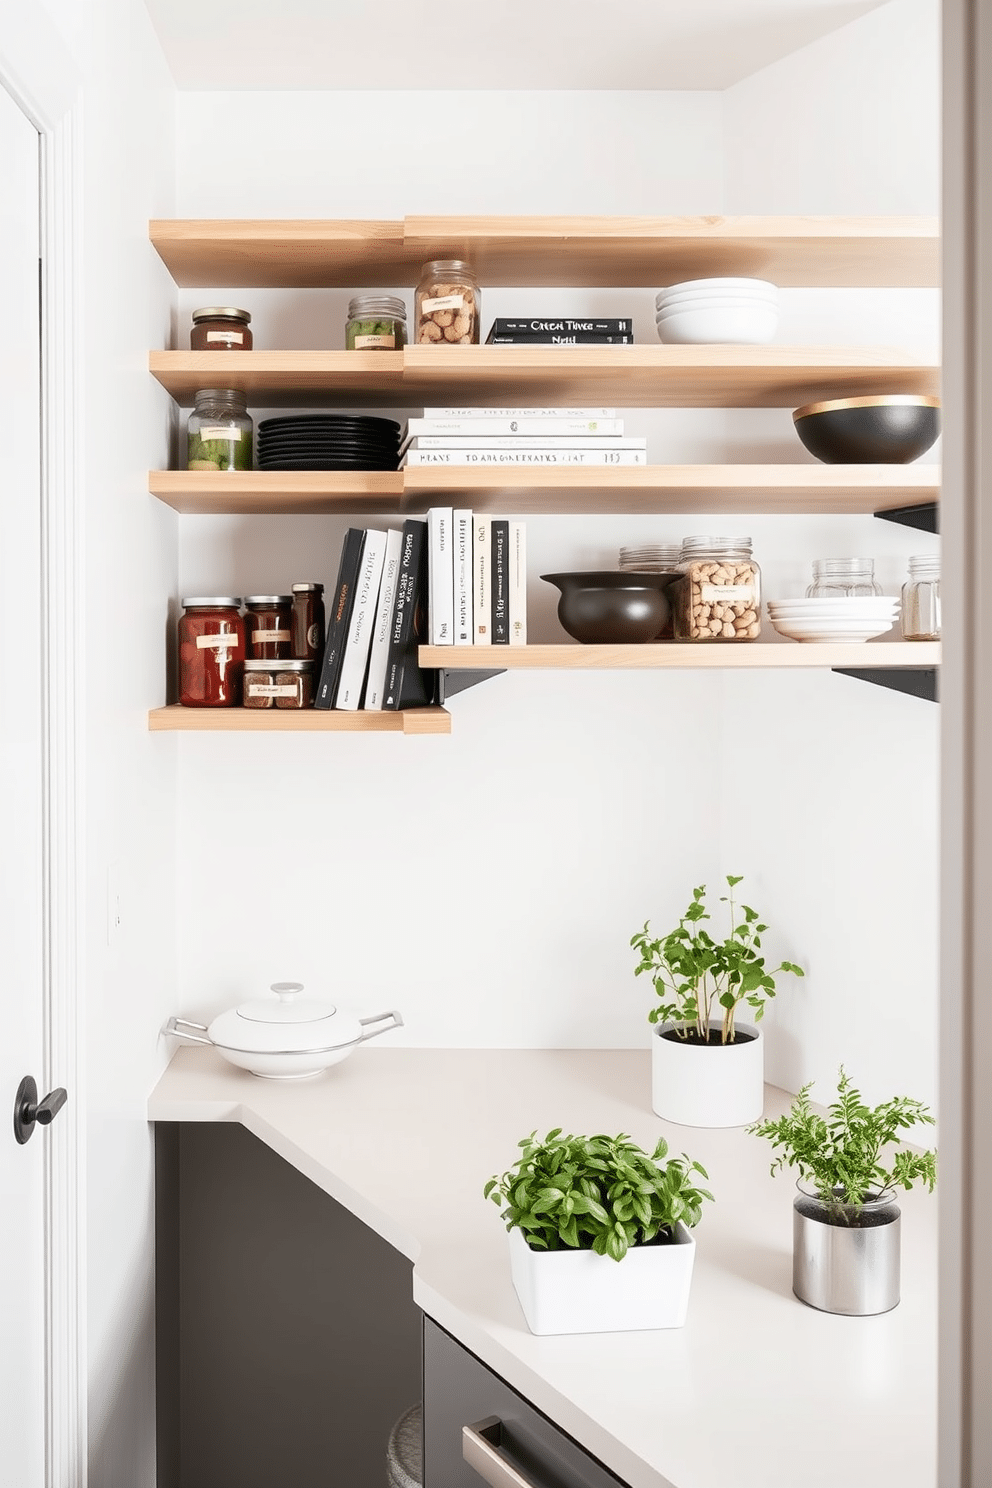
[(846, 619), (742, 312)]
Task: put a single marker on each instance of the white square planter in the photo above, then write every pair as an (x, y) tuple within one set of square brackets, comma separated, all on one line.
[(577, 1291)]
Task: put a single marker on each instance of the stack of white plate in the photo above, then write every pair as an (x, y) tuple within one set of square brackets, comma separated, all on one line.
[(838, 620), (742, 312)]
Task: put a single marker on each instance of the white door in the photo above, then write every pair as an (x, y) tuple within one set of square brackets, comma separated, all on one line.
[(22, 1166)]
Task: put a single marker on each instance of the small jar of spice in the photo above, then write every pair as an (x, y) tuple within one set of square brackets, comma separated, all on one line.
[(278, 684), (269, 626), (448, 304), (220, 328), (307, 623), (211, 652)]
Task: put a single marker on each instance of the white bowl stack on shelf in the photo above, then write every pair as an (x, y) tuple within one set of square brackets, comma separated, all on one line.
[(741, 312), (844, 620)]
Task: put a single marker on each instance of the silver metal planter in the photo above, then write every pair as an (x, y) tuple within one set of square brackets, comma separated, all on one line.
[(850, 1266)]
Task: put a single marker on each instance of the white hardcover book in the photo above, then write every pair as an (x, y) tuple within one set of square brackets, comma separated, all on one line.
[(440, 585), (579, 413), (523, 442), (524, 457), (528, 426), (517, 586), (482, 588), (379, 649), (356, 652), (461, 557)]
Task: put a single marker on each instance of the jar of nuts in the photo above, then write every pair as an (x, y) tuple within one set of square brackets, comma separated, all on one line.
[(448, 307), (718, 597)]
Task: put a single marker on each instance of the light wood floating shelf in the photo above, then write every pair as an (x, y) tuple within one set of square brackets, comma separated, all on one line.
[(679, 489), (175, 718), (684, 658), (553, 252), (624, 376)]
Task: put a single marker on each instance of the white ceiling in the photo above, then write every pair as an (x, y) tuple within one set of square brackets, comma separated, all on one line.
[(221, 45)]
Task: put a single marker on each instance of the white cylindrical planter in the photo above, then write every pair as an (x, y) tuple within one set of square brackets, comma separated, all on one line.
[(708, 1084), (851, 1268)]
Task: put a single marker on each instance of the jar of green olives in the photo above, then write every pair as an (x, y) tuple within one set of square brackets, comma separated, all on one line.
[(219, 431), (376, 323)]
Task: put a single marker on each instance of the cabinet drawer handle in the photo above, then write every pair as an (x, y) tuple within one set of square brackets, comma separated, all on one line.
[(480, 1449)]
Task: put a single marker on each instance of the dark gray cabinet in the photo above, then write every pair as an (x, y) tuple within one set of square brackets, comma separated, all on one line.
[(519, 1445)]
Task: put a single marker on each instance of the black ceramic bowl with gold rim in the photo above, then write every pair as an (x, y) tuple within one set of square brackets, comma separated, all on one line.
[(884, 429)]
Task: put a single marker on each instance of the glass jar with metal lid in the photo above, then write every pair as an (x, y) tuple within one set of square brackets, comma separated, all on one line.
[(220, 328), (219, 431), (448, 304), (278, 684), (375, 323), (308, 621), (920, 620), (718, 597), (268, 622), (211, 652)]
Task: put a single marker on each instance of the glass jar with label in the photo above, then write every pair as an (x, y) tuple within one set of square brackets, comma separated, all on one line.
[(268, 625), (220, 328), (375, 323), (278, 684), (307, 623), (653, 558), (211, 652), (843, 578), (718, 596), (448, 304), (920, 619), (219, 431)]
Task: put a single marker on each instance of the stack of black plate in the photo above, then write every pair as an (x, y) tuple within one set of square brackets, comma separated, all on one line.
[(328, 441)]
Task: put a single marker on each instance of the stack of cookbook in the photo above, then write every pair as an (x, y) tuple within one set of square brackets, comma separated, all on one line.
[(519, 436)]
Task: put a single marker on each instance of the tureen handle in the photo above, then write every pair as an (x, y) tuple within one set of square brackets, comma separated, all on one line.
[(396, 1021), (178, 1026)]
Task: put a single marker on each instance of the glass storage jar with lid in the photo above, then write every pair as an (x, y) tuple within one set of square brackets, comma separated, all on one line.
[(448, 304), (219, 431), (653, 558), (268, 622), (307, 622), (211, 652), (718, 596), (843, 578), (375, 323), (920, 618), (278, 684), (220, 328)]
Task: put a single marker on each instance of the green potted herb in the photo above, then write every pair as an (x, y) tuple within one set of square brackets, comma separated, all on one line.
[(845, 1222), (574, 1207), (708, 1066)]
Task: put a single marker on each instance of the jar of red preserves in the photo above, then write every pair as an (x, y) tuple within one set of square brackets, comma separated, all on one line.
[(268, 626), (211, 652), (220, 328)]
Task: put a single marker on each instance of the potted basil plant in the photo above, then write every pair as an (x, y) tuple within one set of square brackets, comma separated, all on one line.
[(845, 1255), (707, 1065), (599, 1232)]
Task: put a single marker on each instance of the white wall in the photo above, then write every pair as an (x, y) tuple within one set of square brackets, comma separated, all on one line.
[(127, 173), (488, 884)]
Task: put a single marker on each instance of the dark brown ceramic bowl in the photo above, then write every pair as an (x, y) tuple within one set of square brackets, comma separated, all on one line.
[(890, 429), (610, 608)]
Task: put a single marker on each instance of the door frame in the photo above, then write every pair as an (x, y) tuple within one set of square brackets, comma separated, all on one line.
[(41, 76)]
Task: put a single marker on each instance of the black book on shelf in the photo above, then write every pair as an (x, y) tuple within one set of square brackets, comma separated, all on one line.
[(500, 572), (561, 325), (408, 685), (560, 338), (339, 616)]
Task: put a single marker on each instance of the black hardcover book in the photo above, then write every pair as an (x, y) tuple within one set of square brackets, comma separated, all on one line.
[(560, 338), (408, 685), (339, 610), (500, 570), (617, 325)]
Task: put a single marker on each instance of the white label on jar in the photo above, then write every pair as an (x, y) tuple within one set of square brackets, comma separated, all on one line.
[(271, 689), (259, 637), (726, 593), (444, 302), (216, 642), (236, 338), (365, 343), (220, 431)]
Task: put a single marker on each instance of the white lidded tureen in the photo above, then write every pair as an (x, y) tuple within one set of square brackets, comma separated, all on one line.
[(285, 1037)]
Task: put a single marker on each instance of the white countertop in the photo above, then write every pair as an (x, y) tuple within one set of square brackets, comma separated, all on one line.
[(756, 1391)]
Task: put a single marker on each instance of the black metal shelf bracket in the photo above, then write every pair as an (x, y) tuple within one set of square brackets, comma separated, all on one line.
[(918, 682), (452, 680), (925, 517)]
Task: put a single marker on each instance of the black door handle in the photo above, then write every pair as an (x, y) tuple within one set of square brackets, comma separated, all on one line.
[(29, 1111)]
